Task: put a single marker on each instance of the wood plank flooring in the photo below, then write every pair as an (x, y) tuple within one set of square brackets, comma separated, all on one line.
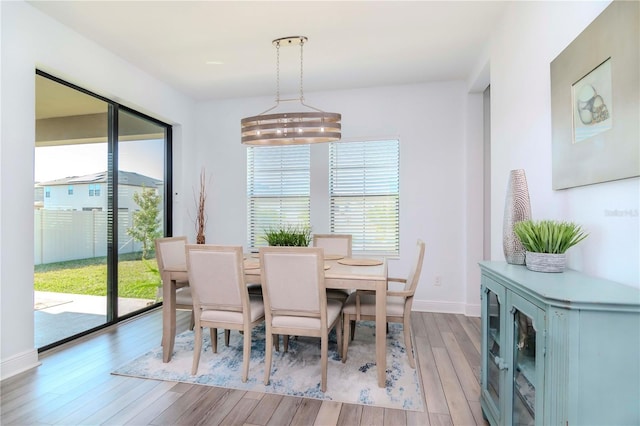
[(73, 386)]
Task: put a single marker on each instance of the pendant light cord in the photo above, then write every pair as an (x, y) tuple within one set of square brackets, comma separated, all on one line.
[(301, 98), (301, 71), (278, 73)]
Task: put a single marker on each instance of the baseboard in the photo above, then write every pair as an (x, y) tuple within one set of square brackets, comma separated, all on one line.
[(19, 363), (446, 307), (473, 311)]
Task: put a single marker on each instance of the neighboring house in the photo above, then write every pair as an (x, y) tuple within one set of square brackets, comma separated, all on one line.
[(71, 215), (89, 192)]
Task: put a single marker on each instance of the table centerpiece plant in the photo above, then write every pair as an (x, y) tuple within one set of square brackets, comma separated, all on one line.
[(546, 243), (288, 235)]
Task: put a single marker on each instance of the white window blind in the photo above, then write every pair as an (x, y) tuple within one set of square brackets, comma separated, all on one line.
[(278, 189), (364, 186)]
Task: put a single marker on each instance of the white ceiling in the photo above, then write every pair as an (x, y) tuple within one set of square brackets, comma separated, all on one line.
[(351, 43)]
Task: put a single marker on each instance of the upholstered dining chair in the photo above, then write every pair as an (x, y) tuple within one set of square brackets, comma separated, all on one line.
[(339, 244), (170, 255), (361, 305), (296, 301), (221, 298), (335, 244)]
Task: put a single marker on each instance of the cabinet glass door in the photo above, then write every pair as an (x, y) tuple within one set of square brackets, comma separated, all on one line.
[(493, 347), (527, 344)]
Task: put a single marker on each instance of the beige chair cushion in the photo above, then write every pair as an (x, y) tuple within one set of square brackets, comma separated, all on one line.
[(395, 305), (334, 308), (181, 277), (257, 311)]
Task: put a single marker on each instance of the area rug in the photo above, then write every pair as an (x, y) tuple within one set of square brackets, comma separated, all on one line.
[(297, 372)]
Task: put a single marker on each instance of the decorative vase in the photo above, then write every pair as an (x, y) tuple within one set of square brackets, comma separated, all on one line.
[(545, 262), (517, 208)]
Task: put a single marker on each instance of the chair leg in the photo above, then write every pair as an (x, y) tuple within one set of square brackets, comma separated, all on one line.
[(214, 340), (353, 329), (324, 355), (213, 336), (197, 348), (268, 352), (338, 327), (246, 354), (285, 341), (192, 323), (227, 333), (407, 339), (277, 342), (345, 336)]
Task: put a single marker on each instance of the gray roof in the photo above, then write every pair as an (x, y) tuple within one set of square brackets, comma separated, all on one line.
[(124, 178)]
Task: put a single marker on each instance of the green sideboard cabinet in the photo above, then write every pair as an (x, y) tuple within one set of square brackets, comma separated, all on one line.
[(558, 349)]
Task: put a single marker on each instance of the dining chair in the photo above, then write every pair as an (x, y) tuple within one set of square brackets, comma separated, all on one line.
[(335, 244), (221, 298), (362, 305), (296, 301), (339, 244), (170, 255)]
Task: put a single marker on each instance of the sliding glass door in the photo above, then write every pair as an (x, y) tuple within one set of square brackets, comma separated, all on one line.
[(141, 145), (70, 271), (99, 201)]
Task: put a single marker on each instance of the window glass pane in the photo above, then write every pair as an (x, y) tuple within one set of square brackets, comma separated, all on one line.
[(140, 210), (70, 229), (278, 189), (364, 187)]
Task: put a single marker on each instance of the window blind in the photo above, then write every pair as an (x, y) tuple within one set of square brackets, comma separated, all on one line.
[(278, 189), (364, 186)]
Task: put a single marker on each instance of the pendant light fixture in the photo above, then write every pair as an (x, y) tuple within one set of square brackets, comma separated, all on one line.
[(290, 128)]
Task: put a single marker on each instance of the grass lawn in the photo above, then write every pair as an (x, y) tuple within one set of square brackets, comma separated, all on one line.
[(136, 278)]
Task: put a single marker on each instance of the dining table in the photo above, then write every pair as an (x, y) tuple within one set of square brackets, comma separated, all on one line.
[(369, 274)]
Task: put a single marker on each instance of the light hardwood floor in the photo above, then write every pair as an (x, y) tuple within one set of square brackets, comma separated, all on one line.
[(73, 386)]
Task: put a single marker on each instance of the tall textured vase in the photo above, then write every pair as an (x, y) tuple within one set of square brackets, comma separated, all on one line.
[(517, 208)]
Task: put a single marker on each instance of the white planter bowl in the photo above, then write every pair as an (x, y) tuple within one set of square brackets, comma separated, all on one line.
[(545, 262)]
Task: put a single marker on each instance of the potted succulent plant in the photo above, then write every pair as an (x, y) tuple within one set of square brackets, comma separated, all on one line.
[(546, 242), (289, 235)]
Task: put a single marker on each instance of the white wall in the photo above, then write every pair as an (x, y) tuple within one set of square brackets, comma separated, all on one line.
[(32, 40), (531, 35), (430, 121)]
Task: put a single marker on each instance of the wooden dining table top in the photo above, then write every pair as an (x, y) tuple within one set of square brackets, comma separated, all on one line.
[(334, 269)]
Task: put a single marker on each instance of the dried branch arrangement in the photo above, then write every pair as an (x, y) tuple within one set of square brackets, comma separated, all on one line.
[(201, 217)]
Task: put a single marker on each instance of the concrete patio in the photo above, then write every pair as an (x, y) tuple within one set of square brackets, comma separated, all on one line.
[(61, 315)]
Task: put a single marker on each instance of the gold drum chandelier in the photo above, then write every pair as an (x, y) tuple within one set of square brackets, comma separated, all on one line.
[(290, 128)]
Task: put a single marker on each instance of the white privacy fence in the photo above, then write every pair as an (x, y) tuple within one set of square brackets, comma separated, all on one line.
[(62, 235)]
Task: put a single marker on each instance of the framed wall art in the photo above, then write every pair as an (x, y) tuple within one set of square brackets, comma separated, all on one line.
[(595, 101)]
